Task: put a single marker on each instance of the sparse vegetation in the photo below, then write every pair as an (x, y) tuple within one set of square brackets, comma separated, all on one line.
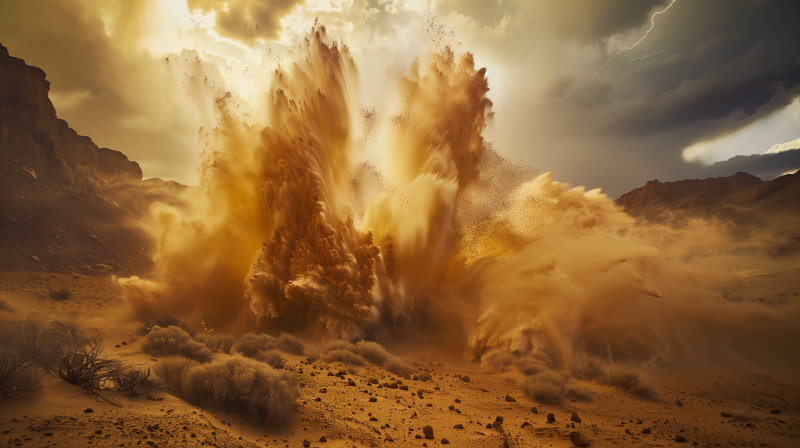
[(591, 370), (290, 344), (86, 368), (545, 387), (163, 321), (398, 366), (171, 370), (242, 385), (577, 392), (500, 360), (629, 378), (271, 357), (530, 366), (137, 381), (174, 341), (373, 352), (340, 344), (216, 342), (62, 293), (250, 344), (344, 356)]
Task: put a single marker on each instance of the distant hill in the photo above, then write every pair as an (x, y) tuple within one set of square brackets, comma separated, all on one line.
[(66, 205), (742, 199)]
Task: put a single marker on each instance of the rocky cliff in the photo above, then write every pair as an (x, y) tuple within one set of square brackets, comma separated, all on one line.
[(32, 134)]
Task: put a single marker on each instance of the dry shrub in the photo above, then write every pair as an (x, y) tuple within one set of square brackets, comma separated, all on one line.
[(88, 369), (313, 357), (243, 385), (592, 370), (344, 356), (373, 352), (340, 344), (138, 381), (629, 378), (291, 344), (171, 370), (62, 293), (530, 366), (5, 307), (499, 360), (577, 392), (163, 321), (271, 357), (174, 341), (398, 366), (18, 378), (250, 344), (545, 388)]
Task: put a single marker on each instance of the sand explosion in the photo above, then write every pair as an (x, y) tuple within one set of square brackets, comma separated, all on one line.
[(290, 229)]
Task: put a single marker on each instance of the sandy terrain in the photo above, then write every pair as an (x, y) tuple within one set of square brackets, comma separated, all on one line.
[(367, 414)]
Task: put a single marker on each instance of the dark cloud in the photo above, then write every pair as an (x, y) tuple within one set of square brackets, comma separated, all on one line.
[(765, 166), (247, 20), (594, 20)]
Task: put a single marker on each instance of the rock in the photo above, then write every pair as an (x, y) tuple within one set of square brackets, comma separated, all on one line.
[(628, 432), (428, 432), (646, 431), (575, 418), (458, 426), (726, 414), (525, 425), (680, 439), (306, 443), (404, 387), (48, 434), (420, 392), (459, 401), (510, 399), (445, 442), (373, 419), (499, 419), (465, 379), (488, 426), (551, 418), (678, 402), (87, 410), (578, 439), (775, 411), (534, 410), (99, 431)]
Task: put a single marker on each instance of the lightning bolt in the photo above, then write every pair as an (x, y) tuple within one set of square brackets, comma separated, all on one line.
[(652, 25), (651, 55)]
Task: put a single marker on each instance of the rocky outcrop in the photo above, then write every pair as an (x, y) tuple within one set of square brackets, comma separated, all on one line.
[(32, 134), (697, 192)]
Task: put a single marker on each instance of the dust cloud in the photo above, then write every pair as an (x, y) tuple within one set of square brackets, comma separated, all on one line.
[(293, 228)]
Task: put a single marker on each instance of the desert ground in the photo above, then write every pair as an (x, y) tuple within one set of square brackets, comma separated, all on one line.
[(366, 406)]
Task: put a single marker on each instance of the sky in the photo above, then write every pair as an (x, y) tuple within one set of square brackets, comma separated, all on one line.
[(605, 94)]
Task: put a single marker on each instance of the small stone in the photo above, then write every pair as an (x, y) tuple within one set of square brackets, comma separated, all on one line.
[(373, 400), (575, 418), (465, 379), (578, 439), (726, 414), (628, 432), (534, 410), (458, 426), (510, 399), (775, 411), (99, 431), (306, 443), (48, 434), (87, 410), (680, 439), (525, 425), (488, 426), (459, 401), (373, 419), (445, 441), (678, 402), (646, 430), (451, 407), (428, 431), (499, 419), (551, 418)]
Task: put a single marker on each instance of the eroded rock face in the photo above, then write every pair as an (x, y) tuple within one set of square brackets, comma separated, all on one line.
[(32, 134)]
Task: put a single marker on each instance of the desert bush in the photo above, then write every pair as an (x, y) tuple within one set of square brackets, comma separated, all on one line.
[(591, 370), (577, 392), (171, 370), (629, 378), (373, 352), (137, 381), (291, 344), (340, 344), (313, 357), (163, 321), (62, 293), (250, 344), (6, 307), (88, 369), (544, 388), (174, 341), (530, 366), (243, 385), (271, 357), (398, 366), (499, 360), (216, 342), (344, 356)]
